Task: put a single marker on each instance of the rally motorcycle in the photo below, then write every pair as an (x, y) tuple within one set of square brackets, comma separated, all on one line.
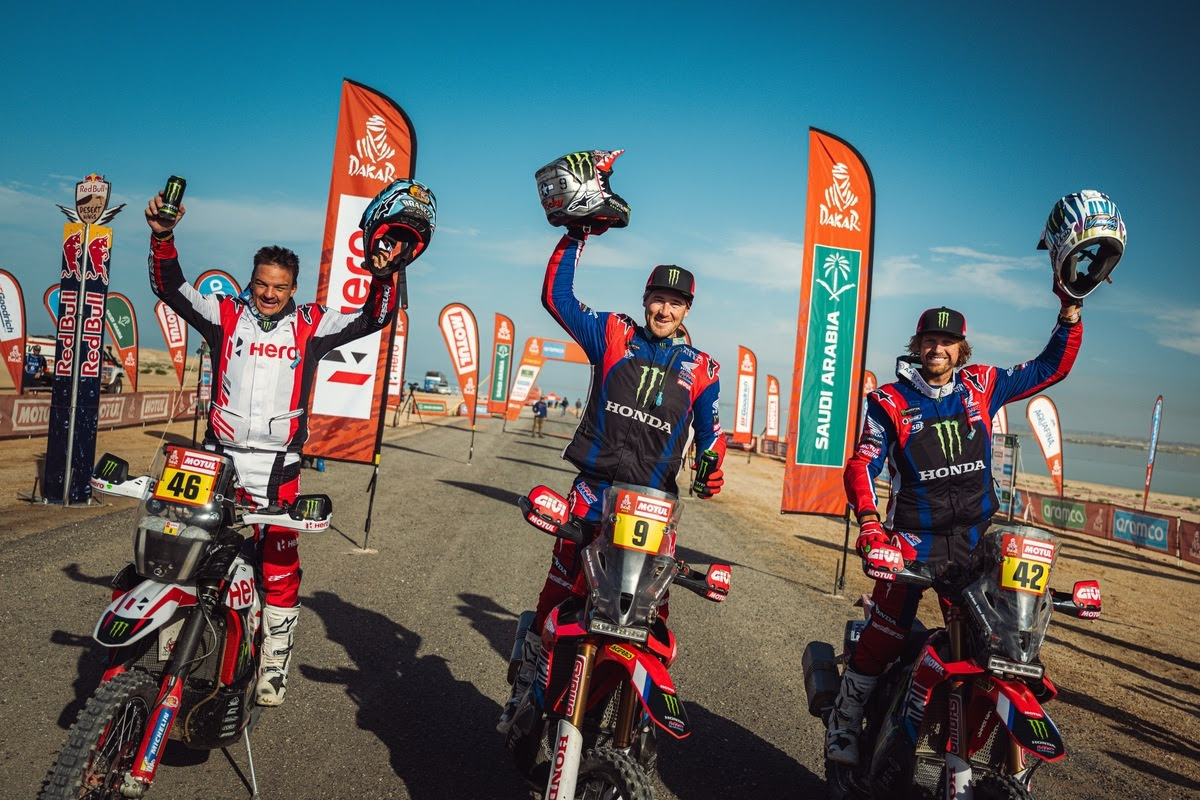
[(183, 628), (587, 729), (960, 714)]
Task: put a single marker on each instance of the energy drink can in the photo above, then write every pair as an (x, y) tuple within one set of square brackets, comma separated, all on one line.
[(704, 465), (172, 197)]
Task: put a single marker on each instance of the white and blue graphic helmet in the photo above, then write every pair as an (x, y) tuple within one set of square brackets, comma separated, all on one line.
[(1086, 238)]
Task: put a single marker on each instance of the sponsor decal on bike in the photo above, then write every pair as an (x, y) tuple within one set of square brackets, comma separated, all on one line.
[(161, 725), (560, 759), (576, 676), (617, 650)]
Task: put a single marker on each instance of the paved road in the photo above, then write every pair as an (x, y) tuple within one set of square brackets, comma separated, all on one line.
[(399, 668)]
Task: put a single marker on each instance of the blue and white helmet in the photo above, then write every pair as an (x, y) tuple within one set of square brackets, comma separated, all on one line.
[(574, 190), (1086, 226), (402, 216)]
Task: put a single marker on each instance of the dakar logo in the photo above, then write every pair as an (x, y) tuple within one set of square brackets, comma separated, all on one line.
[(654, 384), (836, 269), (838, 209), (374, 152), (949, 438)]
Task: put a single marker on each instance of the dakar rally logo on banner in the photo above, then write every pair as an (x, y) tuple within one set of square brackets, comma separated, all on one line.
[(772, 408), (743, 411), (827, 380), (174, 332), (1043, 418), (462, 340), (503, 336), (12, 327), (376, 144)]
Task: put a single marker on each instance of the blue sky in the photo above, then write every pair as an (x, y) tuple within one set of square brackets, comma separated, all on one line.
[(973, 121)]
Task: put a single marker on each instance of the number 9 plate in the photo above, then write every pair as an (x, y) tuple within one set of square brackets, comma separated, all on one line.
[(641, 521)]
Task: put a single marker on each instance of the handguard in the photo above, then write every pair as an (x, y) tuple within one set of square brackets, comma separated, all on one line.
[(713, 585), (546, 510)]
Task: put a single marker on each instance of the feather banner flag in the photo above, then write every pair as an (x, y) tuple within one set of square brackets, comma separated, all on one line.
[(1043, 418)]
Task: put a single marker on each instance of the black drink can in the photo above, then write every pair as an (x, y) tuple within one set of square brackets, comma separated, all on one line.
[(172, 197), (704, 465)]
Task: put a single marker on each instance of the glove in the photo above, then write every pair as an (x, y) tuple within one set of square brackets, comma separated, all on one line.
[(881, 559), (712, 485), (1061, 293)]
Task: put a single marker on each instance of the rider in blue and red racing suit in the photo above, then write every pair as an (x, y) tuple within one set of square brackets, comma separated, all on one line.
[(648, 386), (265, 351), (933, 429)]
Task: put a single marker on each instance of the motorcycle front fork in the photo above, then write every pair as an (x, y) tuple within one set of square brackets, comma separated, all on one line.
[(568, 741)]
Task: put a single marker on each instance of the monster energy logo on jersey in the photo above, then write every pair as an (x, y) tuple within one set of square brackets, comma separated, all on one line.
[(949, 438), (651, 382)]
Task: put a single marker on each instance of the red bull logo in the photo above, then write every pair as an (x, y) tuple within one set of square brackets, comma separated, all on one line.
[(98, 250), (73, 256)]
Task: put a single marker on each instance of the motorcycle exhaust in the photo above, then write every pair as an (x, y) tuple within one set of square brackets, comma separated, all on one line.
[(822, 681)]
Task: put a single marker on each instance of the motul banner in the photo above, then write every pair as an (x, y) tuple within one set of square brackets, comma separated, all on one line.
[(536, 353), (1155, 421), (175, 333), (831, 330), (503, 336), (772, 408), (50, 300), (1000, 421), (399, 354), (12, 327), (462, 340), (121, 323), (1043, 418), (376, 144), (743, 407)]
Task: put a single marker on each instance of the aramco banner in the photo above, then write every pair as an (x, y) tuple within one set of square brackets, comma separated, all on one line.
[(462, 340), (376, 144), (1155, 421), (399, 355), (121, 323), (503, 336), (12, 327), (831, 330), (743, 407), (1000, 421), (772, 408), (536, 353), (174, 331), (1043, 418), (217, 282)]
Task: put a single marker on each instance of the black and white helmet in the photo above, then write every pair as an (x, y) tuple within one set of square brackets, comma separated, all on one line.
[(575, 190), (1085, 230)]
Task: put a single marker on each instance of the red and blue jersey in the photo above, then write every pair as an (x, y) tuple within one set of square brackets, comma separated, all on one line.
[(645, 392), (937, 441)]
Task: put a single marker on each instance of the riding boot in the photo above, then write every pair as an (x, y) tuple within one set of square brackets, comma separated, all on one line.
[(280, 628), (531, 654), (845, 723)]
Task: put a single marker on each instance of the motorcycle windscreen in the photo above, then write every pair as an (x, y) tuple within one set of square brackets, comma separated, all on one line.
[(632, 562), (1012, 601)]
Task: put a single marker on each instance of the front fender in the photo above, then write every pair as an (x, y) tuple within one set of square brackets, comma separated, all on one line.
[(144, 608), (1026, 720), (653, 684)]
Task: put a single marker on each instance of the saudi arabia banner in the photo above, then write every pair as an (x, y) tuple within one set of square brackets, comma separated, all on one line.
[(831, 330), (376, 144), (503, 336), (121, 323), (743, 406), (12, 327), (1043, 418)]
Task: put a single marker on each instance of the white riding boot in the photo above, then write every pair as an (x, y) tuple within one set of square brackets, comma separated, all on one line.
[(845, 723), (531, 652), (280, 628)]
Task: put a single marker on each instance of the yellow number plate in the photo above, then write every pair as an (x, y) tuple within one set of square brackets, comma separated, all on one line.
[(1026, 566), (641, 521), (183, 486)]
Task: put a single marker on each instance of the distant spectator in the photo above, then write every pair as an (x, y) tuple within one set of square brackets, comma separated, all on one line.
[(562, 407), (539, 417), (578, 406), (37, 373)]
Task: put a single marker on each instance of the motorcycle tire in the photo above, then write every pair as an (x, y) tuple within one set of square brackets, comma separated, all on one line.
[(1000, 787), (103, 742), (607, 774)]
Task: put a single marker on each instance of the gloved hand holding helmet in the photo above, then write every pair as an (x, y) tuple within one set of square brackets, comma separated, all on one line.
[(397, 226), (575, 193), (1086, 239), (882, 558)]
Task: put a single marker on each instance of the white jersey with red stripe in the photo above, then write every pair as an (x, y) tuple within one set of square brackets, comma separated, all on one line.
[(263, 370)]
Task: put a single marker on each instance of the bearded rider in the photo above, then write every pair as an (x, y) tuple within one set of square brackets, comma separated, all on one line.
[(648, 385), (265, 352)]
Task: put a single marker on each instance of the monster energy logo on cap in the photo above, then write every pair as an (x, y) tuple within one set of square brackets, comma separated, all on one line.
[(942, 320), (670, 276)]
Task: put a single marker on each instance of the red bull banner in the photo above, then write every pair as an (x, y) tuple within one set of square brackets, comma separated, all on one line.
[(175, 334), (743, 406), (831, 329), (376, 144), (12, 327), (536, 353), (1000, 421), (50, 299), (1155, 421), (399, 354), (1043, 418), (121, 323), (462, 340), (772, 408), (504, 334)]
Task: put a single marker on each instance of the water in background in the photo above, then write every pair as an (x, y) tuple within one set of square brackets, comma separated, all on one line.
[(1123, 467)]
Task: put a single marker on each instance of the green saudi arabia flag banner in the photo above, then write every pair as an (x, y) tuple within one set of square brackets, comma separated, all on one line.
[(829, 356), (500, 364)]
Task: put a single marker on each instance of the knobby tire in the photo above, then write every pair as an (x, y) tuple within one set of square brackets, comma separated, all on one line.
[(606, 774), (1000, 787), (103, 742)]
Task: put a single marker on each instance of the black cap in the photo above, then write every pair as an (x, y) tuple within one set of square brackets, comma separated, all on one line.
[(678, 279), (943, 320)]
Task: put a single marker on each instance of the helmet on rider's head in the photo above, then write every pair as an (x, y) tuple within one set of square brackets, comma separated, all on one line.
[(669, 276), (399, 222), (574, 190), (1086, 226)]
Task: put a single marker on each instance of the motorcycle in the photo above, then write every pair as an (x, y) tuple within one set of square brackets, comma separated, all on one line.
[(960, 714), (587, 729), (183, 628)]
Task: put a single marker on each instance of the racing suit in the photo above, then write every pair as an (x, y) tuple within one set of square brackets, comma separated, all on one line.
[(644, 395), (937, 444), (263, 371)]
